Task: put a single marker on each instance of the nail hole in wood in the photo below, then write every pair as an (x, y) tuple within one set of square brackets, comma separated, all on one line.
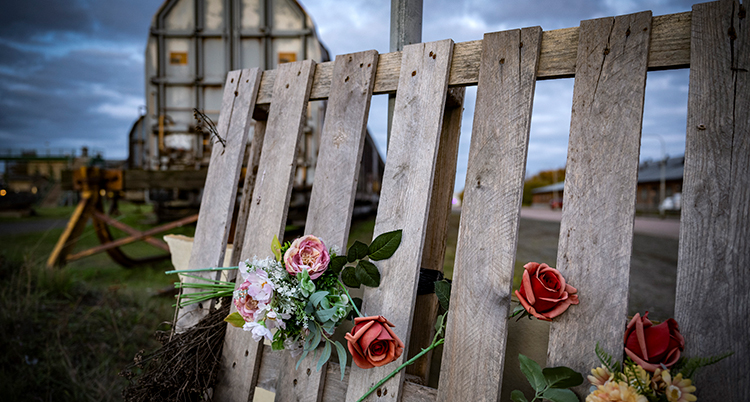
[(385, 391), (379, 392), (701, 127), (308, 371), (247, 353), (232, 80), (606, 52), (247, 80), (234, 364), (520, 45), (413, 73), (287, 85), (627, 33), (236, 93), (434, 56), (361, 64), (298, 73), (431, 54), (294, 382), (346, 79), (200, 305), (369, 64), (502, 61)]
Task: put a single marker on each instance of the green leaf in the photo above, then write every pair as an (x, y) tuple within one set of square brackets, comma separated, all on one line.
[(560, 395), (276, 248), (367, 274), (304, 354), (517, 396), (357, 251), (533, 373), (278, 341), (337, 263), (349, 277), (316, 297), (385, 245), (516, 311), (235, 319), (342, 358), (327, 314), (324, 356), (440, 324), (313, 338), (562, 377), (443, 293)]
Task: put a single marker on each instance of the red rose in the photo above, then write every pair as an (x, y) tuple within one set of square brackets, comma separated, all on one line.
[(372, 343), (651, 345), (544, 293)]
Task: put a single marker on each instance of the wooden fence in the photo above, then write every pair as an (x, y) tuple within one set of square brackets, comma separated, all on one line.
[(609, 58)]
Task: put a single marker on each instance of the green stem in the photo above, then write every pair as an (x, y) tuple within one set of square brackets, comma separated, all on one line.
[(179, 271), (350, 298), (401, 367)]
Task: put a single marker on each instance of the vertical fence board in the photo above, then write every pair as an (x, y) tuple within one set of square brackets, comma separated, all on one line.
[(241, 355), (474, 351), (332, 199), (712, 304), (220, 191), (433, 254), (596, 231), (405, 199)]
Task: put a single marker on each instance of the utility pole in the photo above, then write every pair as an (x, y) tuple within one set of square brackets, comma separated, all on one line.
[(406, 28)]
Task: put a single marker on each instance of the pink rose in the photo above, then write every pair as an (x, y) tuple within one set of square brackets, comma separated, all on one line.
[(372, 343), (307, 253), (544, 293), (651, 345), (253, 296)]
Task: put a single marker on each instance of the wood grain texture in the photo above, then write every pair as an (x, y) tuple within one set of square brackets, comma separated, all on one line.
[(474, 351), (332, 199), (334, 389), (433, 252), (596, 231), (253, 161), (405, 199), (219, 193), (670, 49), (712, 304), (240, 358)]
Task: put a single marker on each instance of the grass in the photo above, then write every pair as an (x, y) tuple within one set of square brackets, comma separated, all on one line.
[(65, 333)]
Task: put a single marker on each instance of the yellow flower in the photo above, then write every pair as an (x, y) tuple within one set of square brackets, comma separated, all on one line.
[(615, 392), (600, 376), (678, 389)]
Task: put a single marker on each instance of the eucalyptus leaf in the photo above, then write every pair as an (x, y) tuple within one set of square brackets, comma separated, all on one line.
[(357, 251), (560, 395), (443, 293), (517, 396), (337, 263), (367, 274), (533, 372), (309, 308), (342, 358), (324, 356), (385, 245), (349, 277), (304, 354), (235, 319), (316, 337), (316, 297), (562, 377), (327, 314), (310, 341)]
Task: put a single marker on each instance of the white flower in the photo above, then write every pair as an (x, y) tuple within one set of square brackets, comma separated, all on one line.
[(258, 330)]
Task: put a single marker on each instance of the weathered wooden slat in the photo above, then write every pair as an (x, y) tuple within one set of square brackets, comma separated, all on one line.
[(712, 304), (253, 160), (433, 254), (474, 351), (240, 357), (405, 198), (332, 198), (224, 170), (596, 231), (670, 48)]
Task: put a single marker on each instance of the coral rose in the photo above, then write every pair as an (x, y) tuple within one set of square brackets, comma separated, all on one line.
[(307, 253), (544, 293), (652, 345), (372, 343)]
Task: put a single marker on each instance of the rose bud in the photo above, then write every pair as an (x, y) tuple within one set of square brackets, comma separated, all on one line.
[(651, 345), (544, 293), (372, 343), (307, 253)]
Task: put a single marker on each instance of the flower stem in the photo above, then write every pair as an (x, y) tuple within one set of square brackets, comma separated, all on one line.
[(350, 298), (179, 271), (401, 367)]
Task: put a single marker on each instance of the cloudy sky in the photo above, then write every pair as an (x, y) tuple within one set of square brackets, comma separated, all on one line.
[(71, 71)]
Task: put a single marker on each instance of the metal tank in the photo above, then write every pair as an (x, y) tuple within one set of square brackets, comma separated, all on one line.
[(192, 44)]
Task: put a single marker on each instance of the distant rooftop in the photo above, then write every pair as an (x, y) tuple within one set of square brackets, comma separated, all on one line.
[(648, 172)]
